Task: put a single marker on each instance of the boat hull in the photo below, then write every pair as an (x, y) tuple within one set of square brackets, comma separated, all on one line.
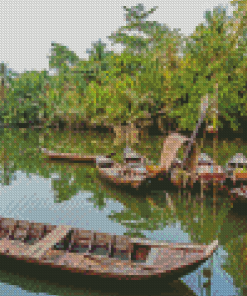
[(37, 267), (58, 247)]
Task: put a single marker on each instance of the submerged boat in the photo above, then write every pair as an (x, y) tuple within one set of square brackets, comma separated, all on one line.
[(94, 253)]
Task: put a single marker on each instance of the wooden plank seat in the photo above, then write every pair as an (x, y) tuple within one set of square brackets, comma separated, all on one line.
[(122, 247), (21, 230), (36, 232), (7, 227), (39, 249), (81, 240), (29, 232), (102, 244)]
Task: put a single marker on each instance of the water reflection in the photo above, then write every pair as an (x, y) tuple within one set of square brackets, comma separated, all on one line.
[(24, 283), (64, 193)]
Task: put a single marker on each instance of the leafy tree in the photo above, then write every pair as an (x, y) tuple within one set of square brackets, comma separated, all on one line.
[(211, 59), (25, 99), (98, 51), (61, 57), (136, 20)]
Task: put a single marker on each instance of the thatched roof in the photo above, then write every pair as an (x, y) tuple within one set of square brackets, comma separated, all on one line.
[(238, 158)]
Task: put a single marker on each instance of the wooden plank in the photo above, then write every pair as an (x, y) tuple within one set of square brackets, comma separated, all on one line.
[(156, 243), (39, 249)]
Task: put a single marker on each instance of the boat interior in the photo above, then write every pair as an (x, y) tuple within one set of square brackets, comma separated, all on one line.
[(76, 241)]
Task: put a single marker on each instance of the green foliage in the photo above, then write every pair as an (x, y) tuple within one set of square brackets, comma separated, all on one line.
[(149, 76), (25, 98), (61, 57), (98, 51)]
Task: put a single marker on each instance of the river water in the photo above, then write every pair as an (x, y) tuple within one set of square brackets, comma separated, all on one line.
[(73, 194)]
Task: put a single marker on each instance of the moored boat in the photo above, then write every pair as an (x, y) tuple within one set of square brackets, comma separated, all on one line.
[(73, 157), (208, 170), (121, 174), (236, 168), (94, 253)]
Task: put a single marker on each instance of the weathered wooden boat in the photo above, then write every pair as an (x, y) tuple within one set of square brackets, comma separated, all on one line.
[(73, 157), (137, 172), (121, 174), (236, 168), (93, 253)]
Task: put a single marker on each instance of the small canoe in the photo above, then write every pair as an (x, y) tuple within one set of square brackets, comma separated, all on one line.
[(73, 157), (94, 253)]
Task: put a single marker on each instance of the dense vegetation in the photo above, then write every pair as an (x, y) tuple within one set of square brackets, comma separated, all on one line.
[(160, 76)]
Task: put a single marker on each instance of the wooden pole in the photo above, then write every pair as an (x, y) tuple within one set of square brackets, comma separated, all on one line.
[(204, 106), (215, 146)]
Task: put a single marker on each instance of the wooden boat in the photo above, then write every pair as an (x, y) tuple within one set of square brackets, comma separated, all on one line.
[(236, 168), (205, 171), (137, 172), (74, 157), (93, 253), (121, 174), (208, 170)]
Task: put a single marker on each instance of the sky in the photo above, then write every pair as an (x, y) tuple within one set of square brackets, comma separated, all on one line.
[(27, 28)]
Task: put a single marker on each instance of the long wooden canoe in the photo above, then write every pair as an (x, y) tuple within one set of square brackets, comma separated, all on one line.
[(94, 253), (73, 157)]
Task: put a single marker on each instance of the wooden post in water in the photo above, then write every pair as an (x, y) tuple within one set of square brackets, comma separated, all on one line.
[(202, 187), (215, 140)]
